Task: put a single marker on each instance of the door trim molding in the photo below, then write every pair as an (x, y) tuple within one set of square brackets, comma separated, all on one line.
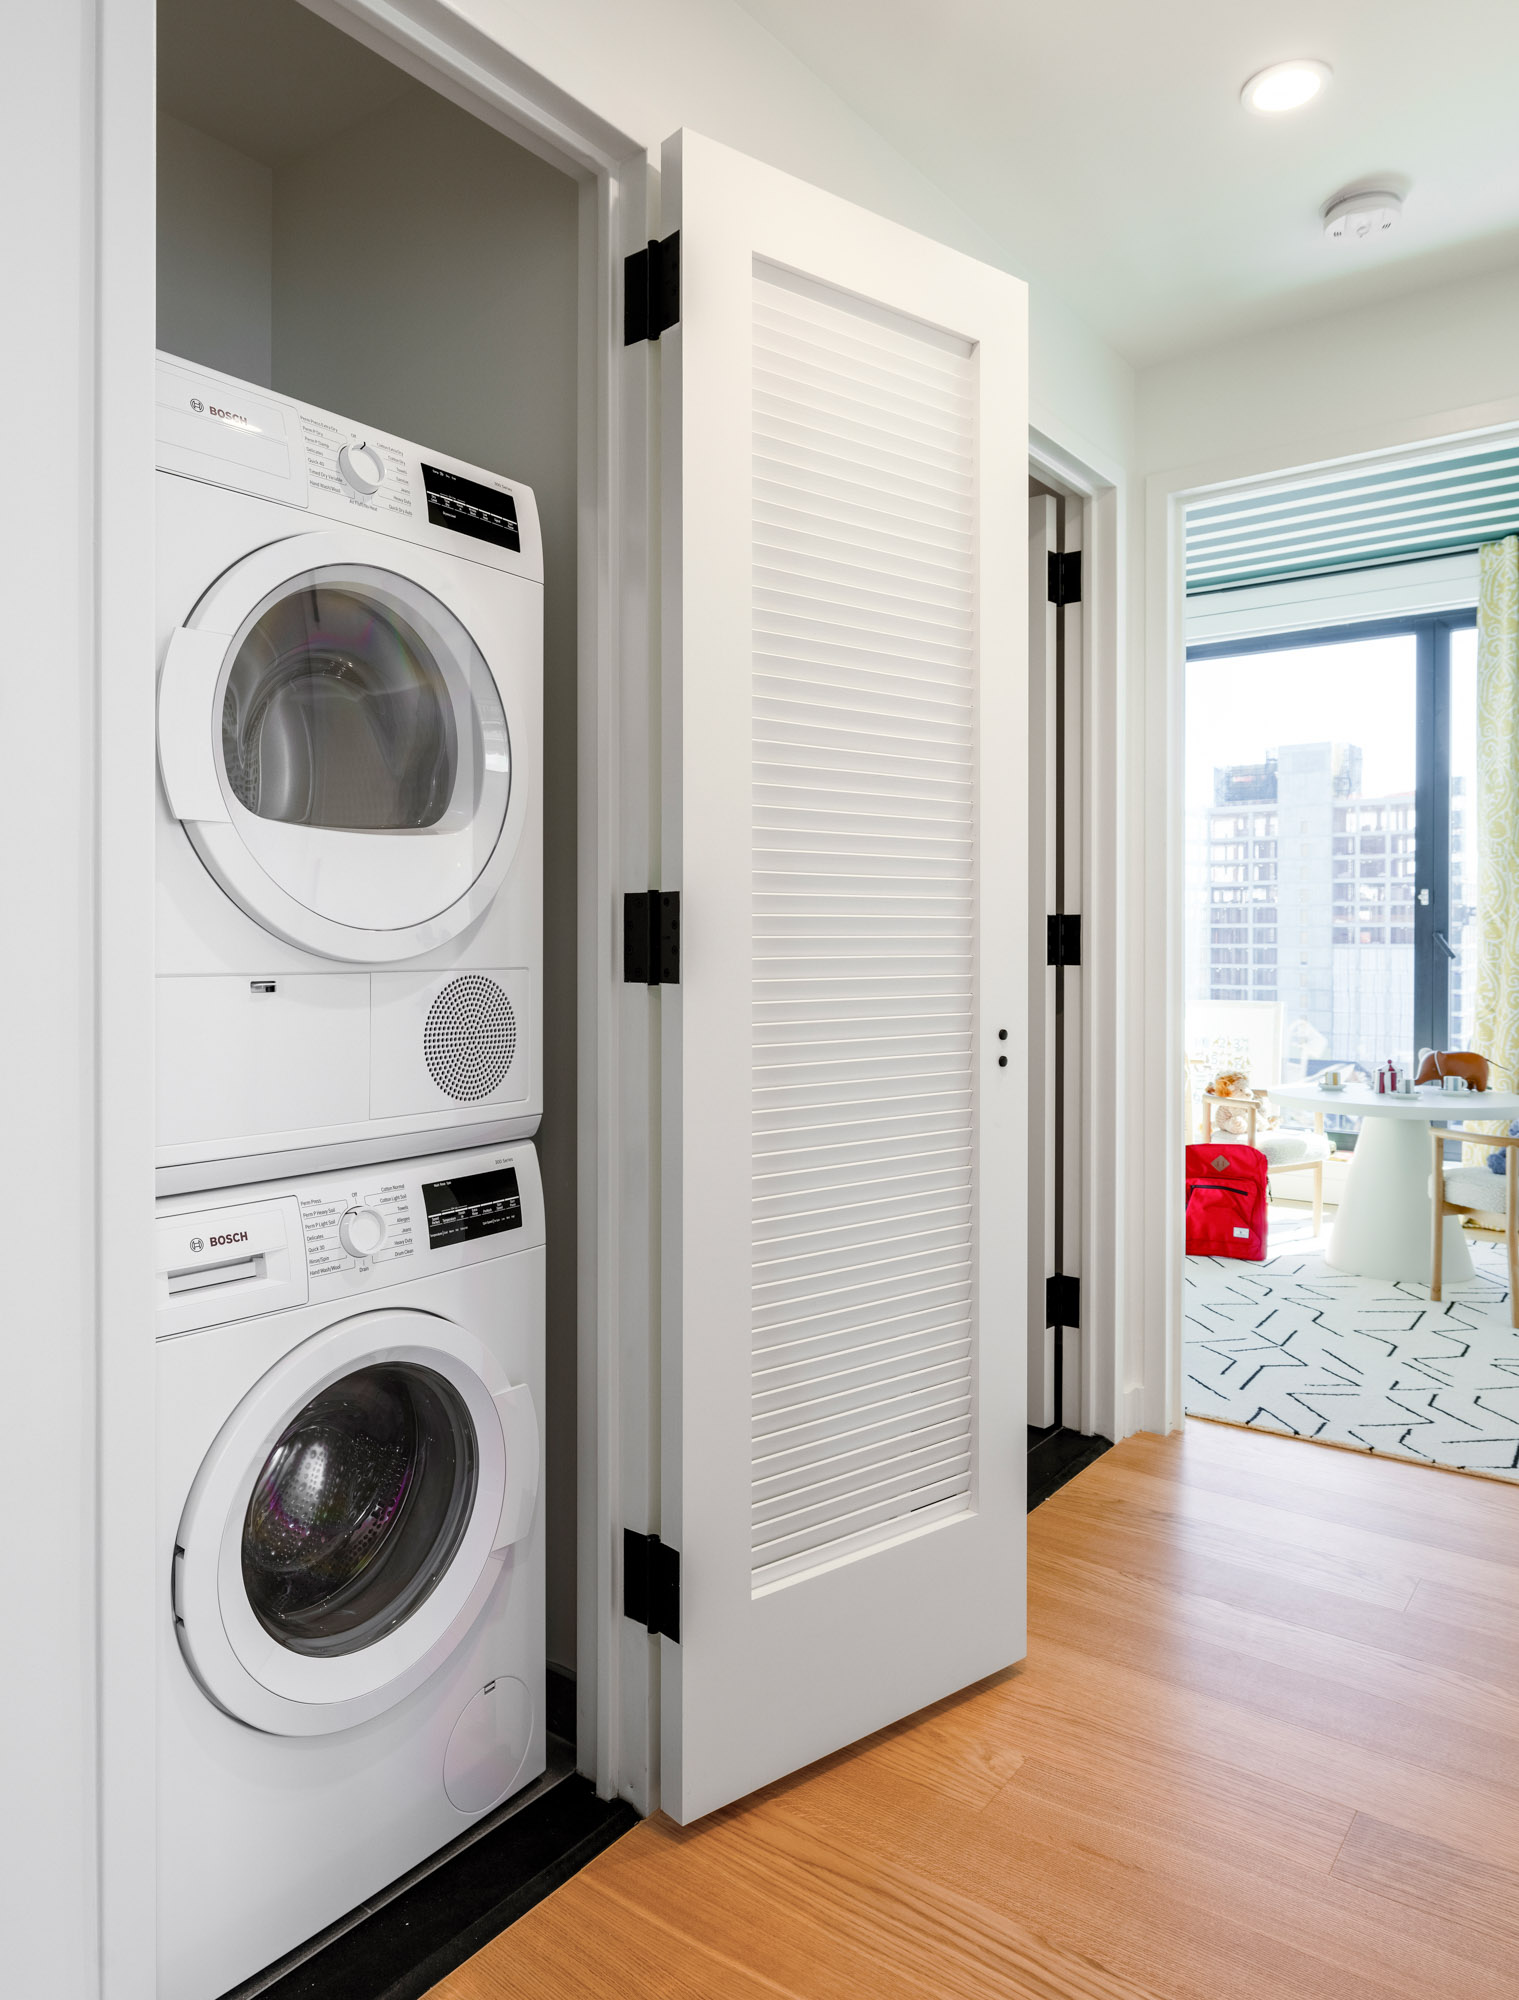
[(1104, 897)]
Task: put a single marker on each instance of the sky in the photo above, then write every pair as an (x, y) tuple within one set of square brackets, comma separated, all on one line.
[(1240, 710)]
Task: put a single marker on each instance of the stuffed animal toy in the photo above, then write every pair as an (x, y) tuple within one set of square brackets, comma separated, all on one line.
[(1226, 1119)]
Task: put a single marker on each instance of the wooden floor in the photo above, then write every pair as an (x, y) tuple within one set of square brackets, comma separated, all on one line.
[(1266, 1743)]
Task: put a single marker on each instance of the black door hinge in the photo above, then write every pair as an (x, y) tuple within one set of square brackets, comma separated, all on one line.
[(1062, 1300), (1065, 577), (651, 938), (651, 290), (1064, 941), (651, 1584)]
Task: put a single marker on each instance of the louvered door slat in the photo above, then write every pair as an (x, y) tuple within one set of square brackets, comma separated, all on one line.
[(863, 711)]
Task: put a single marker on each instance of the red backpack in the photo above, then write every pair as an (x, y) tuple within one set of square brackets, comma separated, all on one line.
[(1226, 1201)]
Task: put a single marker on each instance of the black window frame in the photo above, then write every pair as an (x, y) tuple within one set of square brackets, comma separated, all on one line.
[(1430, 632)]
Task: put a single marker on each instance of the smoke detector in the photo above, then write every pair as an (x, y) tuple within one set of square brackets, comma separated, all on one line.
[(1358, 217)]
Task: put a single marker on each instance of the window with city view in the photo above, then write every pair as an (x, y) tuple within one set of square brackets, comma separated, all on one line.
[(1303, 796)]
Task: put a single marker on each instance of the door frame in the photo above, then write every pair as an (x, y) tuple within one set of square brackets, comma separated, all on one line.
[(107, 1188), (1095, 1399), (1153, 1150)]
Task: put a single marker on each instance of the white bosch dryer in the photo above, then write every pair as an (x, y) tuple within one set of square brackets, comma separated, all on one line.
[(349, 917), (350, 1545)]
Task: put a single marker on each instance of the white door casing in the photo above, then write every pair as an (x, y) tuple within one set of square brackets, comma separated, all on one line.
[(844, 1252), (1075, 1218), (1043, 900), (243, 1668)]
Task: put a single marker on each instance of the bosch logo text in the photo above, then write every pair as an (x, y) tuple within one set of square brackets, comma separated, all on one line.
[(232, 1236), (227, 416)]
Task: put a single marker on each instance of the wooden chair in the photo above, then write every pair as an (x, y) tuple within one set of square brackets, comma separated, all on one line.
[(1280, 1143), (1458, 1190)]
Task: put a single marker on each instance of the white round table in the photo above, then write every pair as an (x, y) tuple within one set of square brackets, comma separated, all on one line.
[(1384, 1225)]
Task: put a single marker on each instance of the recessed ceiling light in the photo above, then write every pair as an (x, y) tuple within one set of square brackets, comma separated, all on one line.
[(1285, 86)]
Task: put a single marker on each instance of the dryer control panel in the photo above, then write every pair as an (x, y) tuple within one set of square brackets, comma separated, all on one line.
[(256, 1250), (229, 433)]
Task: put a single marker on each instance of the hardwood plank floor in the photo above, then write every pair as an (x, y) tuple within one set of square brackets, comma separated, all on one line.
[(1265, 1747)]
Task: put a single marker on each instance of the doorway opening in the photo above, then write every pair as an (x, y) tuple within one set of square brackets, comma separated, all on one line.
[(1333, 925), (333, 228), (1057, 1446)]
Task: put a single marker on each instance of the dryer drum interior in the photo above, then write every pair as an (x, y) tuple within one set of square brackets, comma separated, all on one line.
[(336, 715), (359, 1509), (341, 711)]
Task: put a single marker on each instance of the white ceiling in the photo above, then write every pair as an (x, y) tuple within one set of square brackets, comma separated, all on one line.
[(1105, 147)]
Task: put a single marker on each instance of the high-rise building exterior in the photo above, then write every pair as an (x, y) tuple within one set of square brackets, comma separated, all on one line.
[(1306, 888)]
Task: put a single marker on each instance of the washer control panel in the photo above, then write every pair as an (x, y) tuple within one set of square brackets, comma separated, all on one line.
[(364, 1222), (250, 1251), (359, 470), (465, 1207), (362, 466)]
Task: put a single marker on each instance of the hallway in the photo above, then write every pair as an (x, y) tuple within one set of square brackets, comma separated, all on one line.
[(1265, 1744)]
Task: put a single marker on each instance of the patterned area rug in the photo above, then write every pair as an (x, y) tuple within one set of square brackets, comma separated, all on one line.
[(1293, 1346)]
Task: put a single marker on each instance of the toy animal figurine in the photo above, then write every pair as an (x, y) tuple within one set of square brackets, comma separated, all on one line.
[(1230, 1083), (1441, 1063), (1226, 1118)]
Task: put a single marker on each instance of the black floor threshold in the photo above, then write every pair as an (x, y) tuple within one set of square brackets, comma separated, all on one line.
[(1055, 1456), (403, 1948)]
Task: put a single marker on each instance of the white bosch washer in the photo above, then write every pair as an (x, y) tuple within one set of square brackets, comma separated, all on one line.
[(350, 825), (350, 1542)]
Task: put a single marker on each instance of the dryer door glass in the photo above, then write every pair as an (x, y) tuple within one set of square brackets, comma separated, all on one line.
[(359, 1509), (356, 701)]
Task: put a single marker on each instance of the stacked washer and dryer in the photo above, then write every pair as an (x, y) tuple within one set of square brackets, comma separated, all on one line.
[(350, 1223)]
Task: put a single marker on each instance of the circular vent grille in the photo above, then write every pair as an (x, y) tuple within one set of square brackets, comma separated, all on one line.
[(470, 1037)]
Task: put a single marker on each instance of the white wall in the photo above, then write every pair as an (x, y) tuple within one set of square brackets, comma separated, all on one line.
[(215, 245), (1298, 393), (47, 1571), (76, 1688)]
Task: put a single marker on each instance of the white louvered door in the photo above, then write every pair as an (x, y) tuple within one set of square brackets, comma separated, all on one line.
[(845, 1059)]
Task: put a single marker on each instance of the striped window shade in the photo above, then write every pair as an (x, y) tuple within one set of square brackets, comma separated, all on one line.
[(1354, 520), (864, 940)]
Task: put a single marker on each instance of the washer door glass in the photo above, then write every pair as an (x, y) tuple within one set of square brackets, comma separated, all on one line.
[(359, 1509), (364, 748)]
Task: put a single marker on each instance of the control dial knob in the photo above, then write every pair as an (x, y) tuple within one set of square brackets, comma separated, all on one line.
[(362, 466), (361, 1231)]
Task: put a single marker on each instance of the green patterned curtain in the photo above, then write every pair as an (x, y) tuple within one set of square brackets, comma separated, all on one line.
[(1498, 809)]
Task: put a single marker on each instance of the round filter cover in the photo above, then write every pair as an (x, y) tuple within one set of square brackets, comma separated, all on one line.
[(489, 1745)]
